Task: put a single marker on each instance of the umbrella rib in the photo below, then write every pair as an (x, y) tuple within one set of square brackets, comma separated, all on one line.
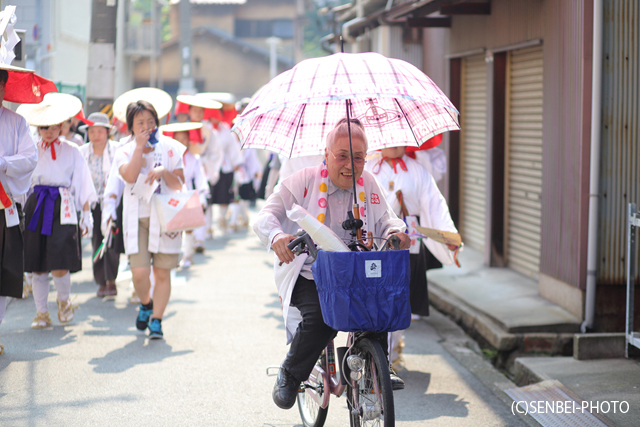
[(304, 106), (407, 119)]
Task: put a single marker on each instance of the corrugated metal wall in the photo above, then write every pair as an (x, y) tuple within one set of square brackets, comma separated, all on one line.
[(566, 140), (620, 154)]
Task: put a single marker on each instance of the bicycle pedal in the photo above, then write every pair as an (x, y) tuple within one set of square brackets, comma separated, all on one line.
[(269, 368)]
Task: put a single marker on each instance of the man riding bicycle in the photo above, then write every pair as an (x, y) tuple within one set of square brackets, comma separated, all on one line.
[(326, 192)]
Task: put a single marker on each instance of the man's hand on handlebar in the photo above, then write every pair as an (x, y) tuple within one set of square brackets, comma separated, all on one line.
[(279, 246), (405, 240)]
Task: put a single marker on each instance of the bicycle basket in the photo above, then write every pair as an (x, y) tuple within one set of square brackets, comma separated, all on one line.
[(364, 291)]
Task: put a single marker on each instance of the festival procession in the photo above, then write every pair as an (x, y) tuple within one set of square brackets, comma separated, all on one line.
[(250, 227)]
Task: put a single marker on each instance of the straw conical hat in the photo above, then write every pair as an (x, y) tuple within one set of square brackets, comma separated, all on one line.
[(223, 97), (54, 109), (180, 127), (14, 68), (160, 100), (199, 101)]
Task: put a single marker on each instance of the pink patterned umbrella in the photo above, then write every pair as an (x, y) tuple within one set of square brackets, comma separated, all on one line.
[(395, 101)]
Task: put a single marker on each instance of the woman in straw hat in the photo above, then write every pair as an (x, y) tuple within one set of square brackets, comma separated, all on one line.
[(60, 186), (194, 177), (205, 143), (18, 157), (112, 209), (150, 157), (99, 154), (222, 192)]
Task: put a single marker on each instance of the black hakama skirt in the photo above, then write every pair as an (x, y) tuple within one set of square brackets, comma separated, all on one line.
[(11, 259), (62, 250), (222, 192), (419, 292)]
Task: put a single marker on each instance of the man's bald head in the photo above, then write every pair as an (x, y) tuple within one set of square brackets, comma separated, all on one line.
[(342, 130)]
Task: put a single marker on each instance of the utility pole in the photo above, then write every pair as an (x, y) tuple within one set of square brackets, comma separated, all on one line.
[(273, 43), (101, 69), (187, 84)]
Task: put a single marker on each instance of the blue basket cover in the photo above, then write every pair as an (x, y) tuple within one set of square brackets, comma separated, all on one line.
[(364, 291)]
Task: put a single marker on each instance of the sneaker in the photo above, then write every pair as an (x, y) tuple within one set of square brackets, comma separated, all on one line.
[(65, 310), (101, 291), (143, 317), (155, 329), (41, 321)]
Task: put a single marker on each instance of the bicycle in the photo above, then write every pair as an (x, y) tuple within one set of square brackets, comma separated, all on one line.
[(363, 372)]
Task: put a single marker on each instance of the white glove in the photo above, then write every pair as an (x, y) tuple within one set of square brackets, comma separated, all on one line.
[(86, 223)]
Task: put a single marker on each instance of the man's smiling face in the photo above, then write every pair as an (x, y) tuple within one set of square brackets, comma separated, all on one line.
[(339, 160)]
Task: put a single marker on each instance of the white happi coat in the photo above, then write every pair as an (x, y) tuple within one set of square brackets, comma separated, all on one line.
[(194, 176), (108, 155), (168, 152), (19, 151), (272, 220), (69, 170), (421, 197)]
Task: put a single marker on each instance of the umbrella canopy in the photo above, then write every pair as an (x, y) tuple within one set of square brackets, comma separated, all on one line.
[(395, 101)]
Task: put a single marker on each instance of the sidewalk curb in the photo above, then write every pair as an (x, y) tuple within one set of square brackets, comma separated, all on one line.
[(467, 352)]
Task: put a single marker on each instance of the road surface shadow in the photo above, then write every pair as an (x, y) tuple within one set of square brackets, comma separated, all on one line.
[(137, 352)]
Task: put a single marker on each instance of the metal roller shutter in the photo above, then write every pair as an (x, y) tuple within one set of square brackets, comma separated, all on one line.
[(474, 153), (524, 160)]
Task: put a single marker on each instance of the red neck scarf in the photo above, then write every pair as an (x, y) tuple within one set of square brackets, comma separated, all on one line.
[(396, 161), (195, 136), (52, 146)]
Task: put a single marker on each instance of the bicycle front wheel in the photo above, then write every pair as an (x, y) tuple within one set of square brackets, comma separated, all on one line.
[(370, 399)]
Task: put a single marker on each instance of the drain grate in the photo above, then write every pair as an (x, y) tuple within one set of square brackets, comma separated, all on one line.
[(553, 405)]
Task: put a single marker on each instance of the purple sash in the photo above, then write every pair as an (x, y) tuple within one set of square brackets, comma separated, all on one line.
[(47, 197)]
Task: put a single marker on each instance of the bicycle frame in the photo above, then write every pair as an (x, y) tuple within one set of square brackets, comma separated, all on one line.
[(329, 376)]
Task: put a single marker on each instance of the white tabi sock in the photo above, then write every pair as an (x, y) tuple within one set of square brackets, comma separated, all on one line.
[(3, 308), (63, 286), (41, 291), (188, 244)]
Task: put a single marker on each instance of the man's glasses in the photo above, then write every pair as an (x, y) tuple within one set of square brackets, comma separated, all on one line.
[(343, 158)]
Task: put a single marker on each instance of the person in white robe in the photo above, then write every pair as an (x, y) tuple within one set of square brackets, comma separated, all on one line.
[(222, 192), (194, 179), (326, 192), (61, 185), (18, 158), (99, 155), (149, 160), (412, 192)]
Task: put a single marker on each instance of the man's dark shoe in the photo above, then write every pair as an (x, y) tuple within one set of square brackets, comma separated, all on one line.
[(397, 383), (285, 390)]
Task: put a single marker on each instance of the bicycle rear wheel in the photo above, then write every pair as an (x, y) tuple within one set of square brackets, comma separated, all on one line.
[(370, 402), (312, 414)]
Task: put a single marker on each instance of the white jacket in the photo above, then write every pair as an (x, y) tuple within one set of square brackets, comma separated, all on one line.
[(168, 152)]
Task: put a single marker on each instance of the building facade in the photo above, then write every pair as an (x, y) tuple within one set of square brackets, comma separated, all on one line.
[(522, 75)]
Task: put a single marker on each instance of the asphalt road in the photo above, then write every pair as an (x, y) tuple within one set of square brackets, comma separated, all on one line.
[(222, 328)]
